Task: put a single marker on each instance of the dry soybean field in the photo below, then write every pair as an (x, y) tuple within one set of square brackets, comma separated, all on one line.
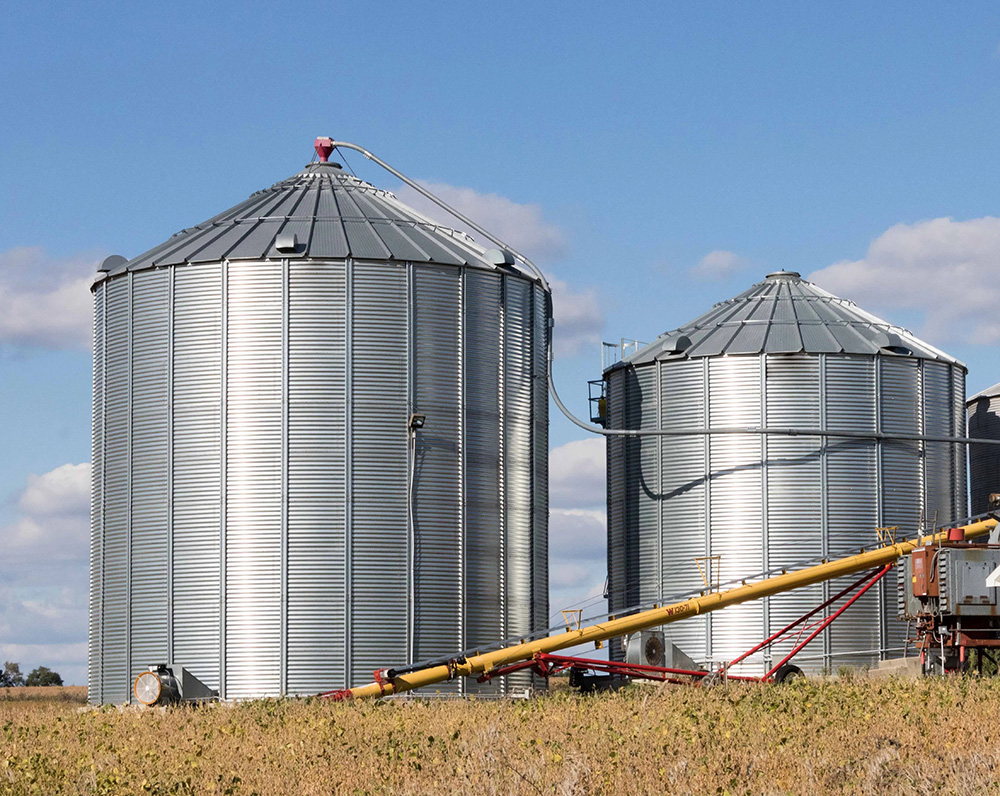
[(853, 736)]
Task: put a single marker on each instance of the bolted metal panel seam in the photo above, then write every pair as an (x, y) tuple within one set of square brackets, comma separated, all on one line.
[(378, 436), (96, 585), (253, 480), (114, 655), (148, 474), (197, 470), (437, 477), (316, 476), (736, 524), (483, 451)]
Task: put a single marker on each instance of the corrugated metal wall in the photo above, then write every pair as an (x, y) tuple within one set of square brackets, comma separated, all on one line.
[(252, 465), (769, 502), (94, 649), (380, 574), (317, 476), (197, 496), (149, 517), (984, 460)]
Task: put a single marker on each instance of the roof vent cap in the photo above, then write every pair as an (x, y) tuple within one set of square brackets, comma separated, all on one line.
[(673, 345), (112, 262), (287, 242), (789, 276), (499, 257), (891, 343)]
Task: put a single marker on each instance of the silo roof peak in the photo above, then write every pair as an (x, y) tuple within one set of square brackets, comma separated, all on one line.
[(332, 214), (791, 276), (785, 314)]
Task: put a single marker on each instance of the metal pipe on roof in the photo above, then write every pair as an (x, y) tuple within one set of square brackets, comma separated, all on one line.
[(611, 432)]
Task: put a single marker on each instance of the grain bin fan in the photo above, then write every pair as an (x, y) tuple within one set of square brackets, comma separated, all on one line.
[(168, 684)]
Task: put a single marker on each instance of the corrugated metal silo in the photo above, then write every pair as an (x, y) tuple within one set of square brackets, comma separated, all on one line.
[(984, 460), (254, 381), (785, 353)]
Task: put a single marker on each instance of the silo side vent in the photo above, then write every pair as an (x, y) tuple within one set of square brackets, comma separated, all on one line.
[(324, 146)]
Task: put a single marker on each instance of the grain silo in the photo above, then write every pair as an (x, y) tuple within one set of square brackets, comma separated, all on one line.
[(784, 353), (320, 446), (984, 460)]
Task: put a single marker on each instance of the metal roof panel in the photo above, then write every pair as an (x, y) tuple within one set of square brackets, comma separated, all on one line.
[(333, 215), (786, 314)]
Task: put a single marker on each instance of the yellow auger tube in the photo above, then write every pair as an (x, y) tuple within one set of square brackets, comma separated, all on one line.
[(477, 664)]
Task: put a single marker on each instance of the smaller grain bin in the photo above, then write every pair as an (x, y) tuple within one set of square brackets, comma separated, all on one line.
[(783, 354), (984, 460)]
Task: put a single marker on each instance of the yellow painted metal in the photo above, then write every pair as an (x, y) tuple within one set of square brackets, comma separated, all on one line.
[(487, 661)]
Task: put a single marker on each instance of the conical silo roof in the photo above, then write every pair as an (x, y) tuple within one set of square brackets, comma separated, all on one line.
[(332, 214), (785, 314), (989, 392)]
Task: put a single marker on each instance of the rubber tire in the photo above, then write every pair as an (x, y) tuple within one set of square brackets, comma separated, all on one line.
[(787, 673)]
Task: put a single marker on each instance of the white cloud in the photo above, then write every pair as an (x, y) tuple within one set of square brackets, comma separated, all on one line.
[(577, 473), (718, 265), (946, 270), (45, 302), (53, 521), (520, 225), (578, 533), (577, 526), (579, 319), (44, 574), (65, 490)]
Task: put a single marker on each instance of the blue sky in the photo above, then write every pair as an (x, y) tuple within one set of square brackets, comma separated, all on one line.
[(653, 158)]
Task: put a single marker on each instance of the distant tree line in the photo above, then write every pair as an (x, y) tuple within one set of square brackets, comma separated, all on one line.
[(11, 677)]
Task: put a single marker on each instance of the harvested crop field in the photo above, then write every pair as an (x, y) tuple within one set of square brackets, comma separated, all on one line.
[(814, 737)]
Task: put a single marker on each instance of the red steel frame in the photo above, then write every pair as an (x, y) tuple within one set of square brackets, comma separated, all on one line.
[(546, 665)]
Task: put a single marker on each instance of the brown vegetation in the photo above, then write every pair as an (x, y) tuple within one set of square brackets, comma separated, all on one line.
[(853, 736), (58, 693)]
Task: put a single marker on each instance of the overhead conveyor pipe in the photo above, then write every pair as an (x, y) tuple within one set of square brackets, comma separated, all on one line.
[(618, 432), (386, 683)]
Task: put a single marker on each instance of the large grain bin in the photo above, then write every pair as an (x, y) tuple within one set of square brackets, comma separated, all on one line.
[(785, 353), (320, 446), (984, 460)]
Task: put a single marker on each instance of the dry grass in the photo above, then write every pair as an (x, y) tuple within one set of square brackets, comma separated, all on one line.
[(853, 736), (57, 693)]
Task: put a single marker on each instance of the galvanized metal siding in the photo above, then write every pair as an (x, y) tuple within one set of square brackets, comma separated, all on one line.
[(197, 470), (540, 465), (317, 472), (959, 453), (149, 473), (618, 573), (644, 487), (902, 408), (485, 592), (241, 412), (736, 499), (115, 669), (616, 467), (938, 419), (436, 320), (379, 532), (793, 486), (852, 495), (984, 460), (254, 482), (684, 488), (518, 453), (96, 505)]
